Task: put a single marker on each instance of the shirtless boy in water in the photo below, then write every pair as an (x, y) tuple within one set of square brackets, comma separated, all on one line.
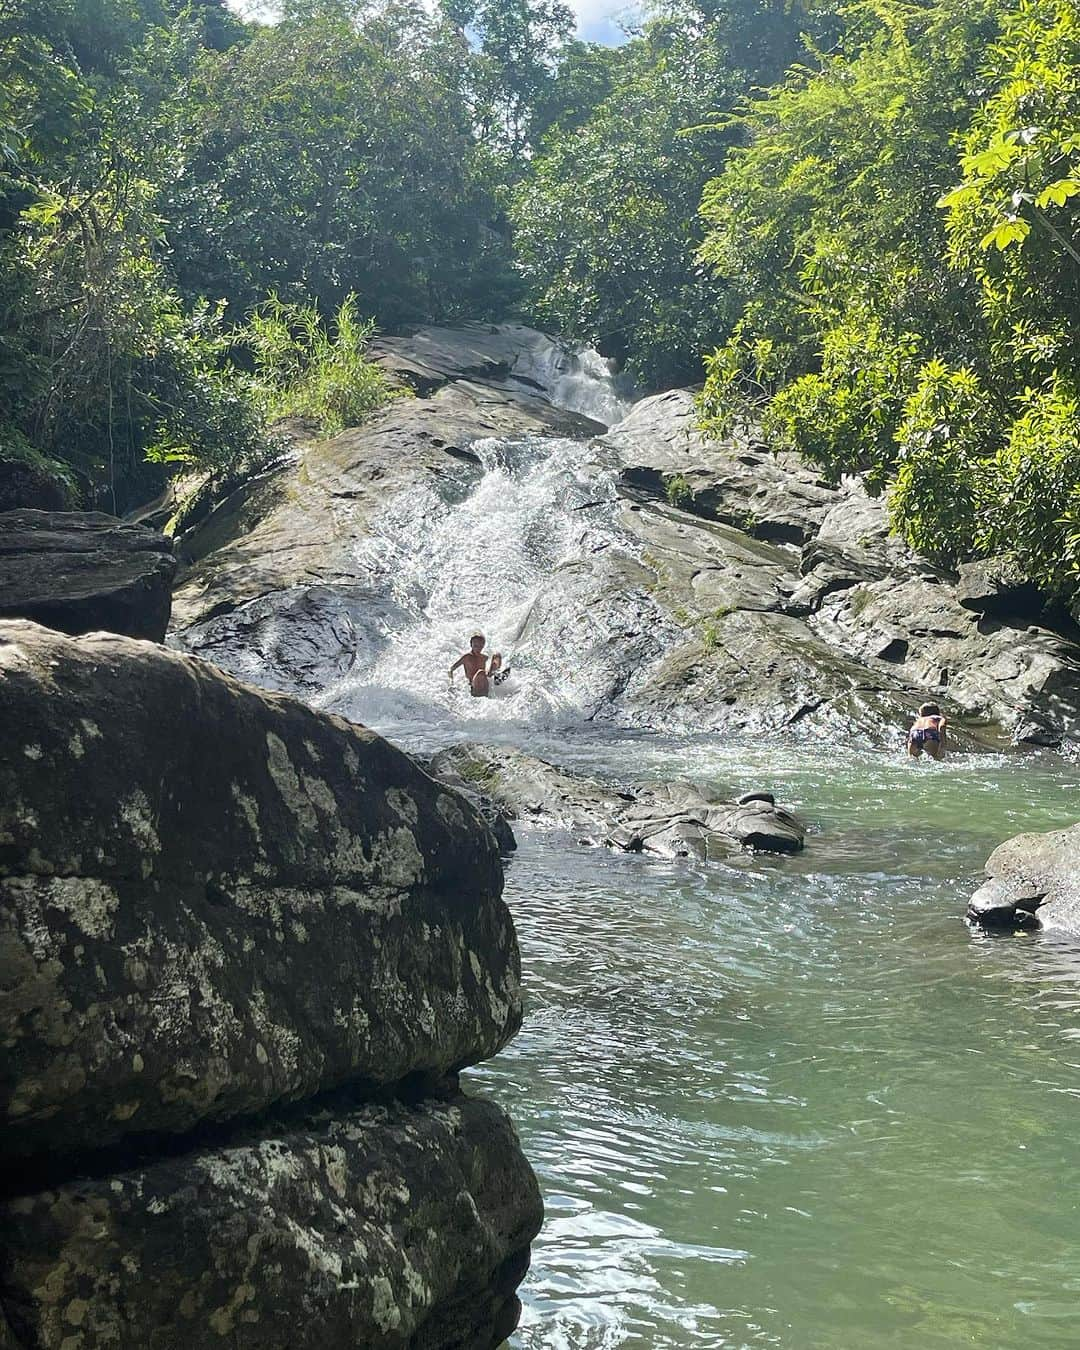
[(477, 671), (927, 733)]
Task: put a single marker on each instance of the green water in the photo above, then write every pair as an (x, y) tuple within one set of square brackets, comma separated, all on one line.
[(797, 1102)]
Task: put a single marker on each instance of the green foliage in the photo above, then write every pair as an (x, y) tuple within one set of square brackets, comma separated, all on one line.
[(678, 491), (1032, 491), (517, 44), (944, 436), (331, 153), (606, 223), (935, 355), (304, 369)]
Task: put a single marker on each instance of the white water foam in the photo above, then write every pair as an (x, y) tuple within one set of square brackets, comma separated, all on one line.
[(577, 379), (453, 560)]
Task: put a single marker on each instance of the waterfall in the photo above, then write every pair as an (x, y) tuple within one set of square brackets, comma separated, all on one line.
[(577, 379), (520, 548)]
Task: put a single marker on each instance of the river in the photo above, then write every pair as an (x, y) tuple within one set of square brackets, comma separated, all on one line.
[(787, 1102)]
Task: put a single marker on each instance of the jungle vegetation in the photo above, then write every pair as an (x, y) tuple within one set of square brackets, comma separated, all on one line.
[(856, 222)]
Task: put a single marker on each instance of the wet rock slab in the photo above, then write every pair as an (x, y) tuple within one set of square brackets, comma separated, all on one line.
[(835, 625), (274, 587), (213, 900), (81, 571), (672, 820), (384, 1226), (1032, 880)]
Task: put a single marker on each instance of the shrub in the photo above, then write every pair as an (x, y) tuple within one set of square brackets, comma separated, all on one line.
[(946, 432), (302, 368), (1032, 491), (679, 492)]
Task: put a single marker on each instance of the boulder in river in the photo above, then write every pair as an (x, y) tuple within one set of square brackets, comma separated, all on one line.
[(670, 819), (1032, 879), (216, 899), (82, 571), (244, 950)]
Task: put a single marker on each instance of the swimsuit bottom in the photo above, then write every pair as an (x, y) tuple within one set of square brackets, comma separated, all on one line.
[(923, 734)]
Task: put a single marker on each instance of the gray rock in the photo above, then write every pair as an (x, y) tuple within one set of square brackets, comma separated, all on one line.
[(739, 482), (772, 603), (387, 1227), (996, 586), (915, 628), (81, 571), (497, 817), (669, 819), (1032, 878), (265, 560), (213, 900), (429, 357)]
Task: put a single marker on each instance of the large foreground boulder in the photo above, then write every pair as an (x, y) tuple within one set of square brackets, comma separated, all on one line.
[(213, 900), (1032, 879), (388, 1226), (244, 950), (81, 571), (674, 820)]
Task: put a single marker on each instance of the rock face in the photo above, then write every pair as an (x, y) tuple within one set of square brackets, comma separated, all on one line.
[(382, 1227), (811, 613), (277, 588), (80, 571), (1032, 879), (713, 586), (674, 820), (215, 902)]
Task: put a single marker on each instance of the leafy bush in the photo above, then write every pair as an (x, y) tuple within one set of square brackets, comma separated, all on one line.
[(1031, 492), (678, 490), (946, 432), (304, 369), (845, 417)]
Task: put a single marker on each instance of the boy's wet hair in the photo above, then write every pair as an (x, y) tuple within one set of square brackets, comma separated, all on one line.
[(929, 710)]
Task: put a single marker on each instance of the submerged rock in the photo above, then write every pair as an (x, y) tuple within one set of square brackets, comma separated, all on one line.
[(1032, 879), (387, 1226), (213, 900), (671, 819), (81, 571)]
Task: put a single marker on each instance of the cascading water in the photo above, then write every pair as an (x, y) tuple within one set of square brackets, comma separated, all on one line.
[(513, 547)]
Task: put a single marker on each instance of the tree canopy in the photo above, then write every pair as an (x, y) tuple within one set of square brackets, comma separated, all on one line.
[(858, 222)]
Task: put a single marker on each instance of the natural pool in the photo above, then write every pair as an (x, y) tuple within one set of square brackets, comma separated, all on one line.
[(796, 1102)]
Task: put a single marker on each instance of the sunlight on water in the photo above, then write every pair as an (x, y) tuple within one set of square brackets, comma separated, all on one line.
[(794, 1102)]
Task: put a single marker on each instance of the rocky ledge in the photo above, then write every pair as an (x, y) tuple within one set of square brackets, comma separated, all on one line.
[(1033, 880), (799, 608), (673, 820), (219, 909), (80, 571), (714, 586)]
